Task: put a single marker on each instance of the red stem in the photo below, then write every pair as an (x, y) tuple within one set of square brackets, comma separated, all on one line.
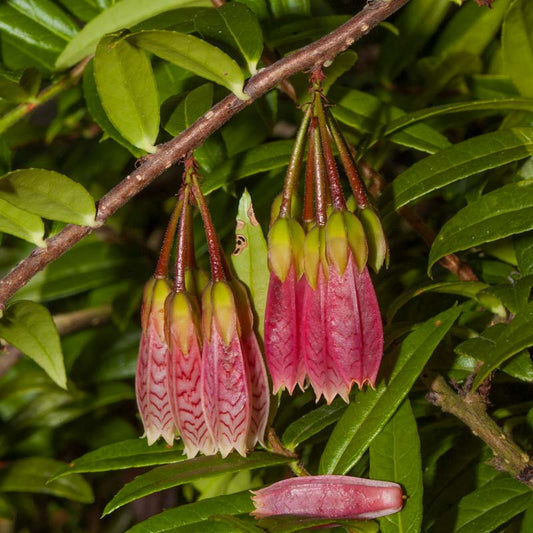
[(319, 171), (161, 270), (183, 245)]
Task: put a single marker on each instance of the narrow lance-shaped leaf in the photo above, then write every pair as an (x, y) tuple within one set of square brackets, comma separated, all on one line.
[(395, 456), (366, 416), (503, 212), (460, 161), (29, 327), (21, 224), (236, 27), (48, 194), (127, 89), (165, 477), (517, 43), (123, 14), (195, 55), (249, 258)]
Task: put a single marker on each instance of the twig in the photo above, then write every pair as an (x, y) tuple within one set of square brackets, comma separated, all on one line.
[(276, 446), (63, 83), (66, 323), (325, 49), (471, 409)]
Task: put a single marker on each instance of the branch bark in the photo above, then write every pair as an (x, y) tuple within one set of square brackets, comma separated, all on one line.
[(325, 49)]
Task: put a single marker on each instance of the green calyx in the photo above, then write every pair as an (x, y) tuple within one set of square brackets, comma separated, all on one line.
[(315, 255), (337, 241), (285, 247), (276, 204), (378, 250), (181, 318), (224, 310), (356, 239)]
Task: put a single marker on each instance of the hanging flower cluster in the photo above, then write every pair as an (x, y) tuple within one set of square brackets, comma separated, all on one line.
[(322, 319), (200, 370)]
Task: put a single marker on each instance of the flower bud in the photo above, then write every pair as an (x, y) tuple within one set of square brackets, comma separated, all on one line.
[(151, 381), (335, 497), (378, 250)]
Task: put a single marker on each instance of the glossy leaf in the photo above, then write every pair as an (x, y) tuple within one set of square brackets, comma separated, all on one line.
[(368, 414), (188, 515), (517, 43), (40, 29), (367, 114), (193, 54), (21, 224), (233, 27), (517, 336), (48, 194), (133, 453), (126, 86), (191, 108), (123, 14), (94, 105), (488, 507), (283, 8), (165, 477), (249, 258), (497, 105), (268, 156), (524, 253), (416, 24), (291, 524), (395, 456), (85, 10), (471, 29), (460, 161), (500, 213), (311, 423), (29, 327), (33, 474)]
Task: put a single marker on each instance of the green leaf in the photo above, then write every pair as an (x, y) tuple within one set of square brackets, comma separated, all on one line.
[(20, 223), (32, 475), (497, 105), (460, 161), (123, 14), (517, 336), (366, 416), (524, 253), (48, 194), (29, 327), (367, 114), (85, 10), (19, 87), (416, 24), (39, 29), (174, 475), (249, 258), (468, 289), (284, 8), (517, 43), (268, 156), (192, 107), (395, 456), (233, 26), (487, 508), (290, 524), (236, 525), (503, 212), (472, 29), (127, 90), (311, 423), (195, 55), (133, 453), (194, 513), (94, 105)]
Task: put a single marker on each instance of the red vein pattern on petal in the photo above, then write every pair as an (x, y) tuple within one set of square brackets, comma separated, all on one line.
[(282, 349), (322, 370), (186, 400), (344, 328), (152, 384), (259, 390), (333, 497), (225, 392)]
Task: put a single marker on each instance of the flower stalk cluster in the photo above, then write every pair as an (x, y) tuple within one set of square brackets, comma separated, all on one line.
[(200, 369), (323, 323)]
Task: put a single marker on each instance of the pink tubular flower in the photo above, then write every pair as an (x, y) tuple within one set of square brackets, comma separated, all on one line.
[(335, 497), (282, 346), (151, 381), (184, 341), (225, 382)]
